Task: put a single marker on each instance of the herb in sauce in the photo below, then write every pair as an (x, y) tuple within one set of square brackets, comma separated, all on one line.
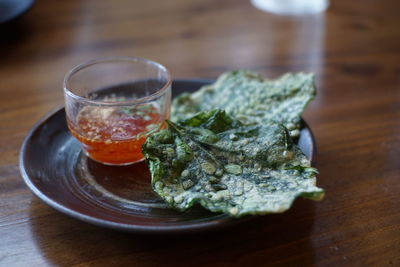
[(115, 135)]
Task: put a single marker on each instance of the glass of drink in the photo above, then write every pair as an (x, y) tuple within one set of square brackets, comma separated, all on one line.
[(113, 104), (292, 7)]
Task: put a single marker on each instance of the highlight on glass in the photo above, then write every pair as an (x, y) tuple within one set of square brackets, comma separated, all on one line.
[(113, 104)]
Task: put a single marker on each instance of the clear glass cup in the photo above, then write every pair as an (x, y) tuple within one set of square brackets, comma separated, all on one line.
[(113, 104), (291, 7)]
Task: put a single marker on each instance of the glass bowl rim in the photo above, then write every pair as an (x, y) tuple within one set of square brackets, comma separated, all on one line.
[(89, 63)]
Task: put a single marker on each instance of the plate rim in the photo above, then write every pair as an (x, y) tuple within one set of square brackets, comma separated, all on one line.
[(222, 220)]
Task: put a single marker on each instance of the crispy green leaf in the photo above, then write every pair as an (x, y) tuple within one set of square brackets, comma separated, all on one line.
[(252, 99), (225, 166)]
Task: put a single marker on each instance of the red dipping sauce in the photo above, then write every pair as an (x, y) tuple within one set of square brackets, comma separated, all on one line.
[(115, 135)]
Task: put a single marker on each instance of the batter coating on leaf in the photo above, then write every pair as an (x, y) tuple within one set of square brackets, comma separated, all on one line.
[(252, 99), (226, 166)]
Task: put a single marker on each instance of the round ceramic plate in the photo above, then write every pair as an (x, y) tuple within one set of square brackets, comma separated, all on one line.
[(55, 169)]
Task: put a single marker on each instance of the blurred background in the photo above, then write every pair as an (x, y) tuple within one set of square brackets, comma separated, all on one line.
[(192, 38)]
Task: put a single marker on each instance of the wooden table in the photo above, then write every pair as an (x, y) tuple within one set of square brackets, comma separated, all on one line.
[(354, 49)]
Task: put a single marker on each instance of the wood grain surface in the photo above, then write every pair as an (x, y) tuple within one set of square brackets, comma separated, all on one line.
[(354, 49)]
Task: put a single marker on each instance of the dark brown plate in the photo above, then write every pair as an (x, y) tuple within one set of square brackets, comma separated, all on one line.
[(121, 198)]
